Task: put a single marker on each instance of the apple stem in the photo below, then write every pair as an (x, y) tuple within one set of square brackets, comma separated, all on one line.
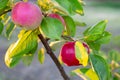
[(54, 58)]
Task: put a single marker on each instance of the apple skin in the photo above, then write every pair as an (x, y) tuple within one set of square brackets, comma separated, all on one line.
[(87, 47), (67, 54), (27, 15), (57, 16)]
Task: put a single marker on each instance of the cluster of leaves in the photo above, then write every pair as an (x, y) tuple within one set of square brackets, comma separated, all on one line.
[(5, 19), (27, 43)]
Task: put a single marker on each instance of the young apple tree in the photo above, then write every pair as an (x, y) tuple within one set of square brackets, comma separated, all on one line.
[(51, 20)]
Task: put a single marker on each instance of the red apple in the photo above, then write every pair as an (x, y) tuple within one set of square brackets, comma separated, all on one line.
[(67, 54), (57, 16), (27, 15)]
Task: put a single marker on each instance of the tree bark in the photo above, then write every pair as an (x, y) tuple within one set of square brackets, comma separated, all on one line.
[(54, 58)]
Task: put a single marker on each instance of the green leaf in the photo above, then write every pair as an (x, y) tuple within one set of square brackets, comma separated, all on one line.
[(27, 58), (81, 53), (91, 75), (63, 3), (70, 26), (94, 46), (9, 29), (52, 28), (41, 55), (3, 3), (24, 45), (60, 59), (5, 18), (56, 44), (72, 6), (22, 32), (95, 32), (1, 27), (105, 38), (114, 55), (10, 62), (80, 24), (80, 73), (86, 74), (77, 7), (100, 66)]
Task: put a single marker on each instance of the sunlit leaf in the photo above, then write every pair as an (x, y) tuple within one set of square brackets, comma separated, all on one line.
[(52, 28), (92, 75), (45, 5), (70, 26), (86, 74), (60, 59), (95, 32), (41, 55), (22, 32), (24, 45), (100, 66), (81, 53), (10, 61)]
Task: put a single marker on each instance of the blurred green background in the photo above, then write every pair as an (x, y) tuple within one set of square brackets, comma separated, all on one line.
[(95, 10)]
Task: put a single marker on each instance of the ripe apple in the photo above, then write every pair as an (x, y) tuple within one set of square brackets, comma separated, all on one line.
[(67, 53), (57, 16), (27, 15)]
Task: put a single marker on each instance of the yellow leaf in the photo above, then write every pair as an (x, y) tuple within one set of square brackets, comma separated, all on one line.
[(41, 55), (8, 59), (60, 59), (81, 53), (92, 75), (86, 74), (80, 74)]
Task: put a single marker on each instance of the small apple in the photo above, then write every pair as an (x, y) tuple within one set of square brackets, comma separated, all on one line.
[(57, 16), (27, 15), (67, 53)]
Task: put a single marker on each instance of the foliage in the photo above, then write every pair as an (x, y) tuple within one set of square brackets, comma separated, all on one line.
[(53, 30)]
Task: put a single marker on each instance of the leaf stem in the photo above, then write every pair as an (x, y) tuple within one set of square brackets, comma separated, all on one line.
[(4, 12), (54, 58), (67, 38)]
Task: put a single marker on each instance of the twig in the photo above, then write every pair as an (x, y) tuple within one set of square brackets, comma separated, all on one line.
[(67, 38), (4, 12), (54, 58)]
